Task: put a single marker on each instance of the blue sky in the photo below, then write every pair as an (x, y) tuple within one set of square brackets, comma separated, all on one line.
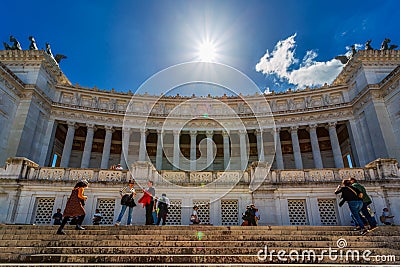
[(120, 44)]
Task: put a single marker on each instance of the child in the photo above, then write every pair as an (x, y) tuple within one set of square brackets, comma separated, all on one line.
[(97, 217)]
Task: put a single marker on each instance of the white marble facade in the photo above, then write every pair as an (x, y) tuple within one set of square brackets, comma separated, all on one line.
[(315, 135)]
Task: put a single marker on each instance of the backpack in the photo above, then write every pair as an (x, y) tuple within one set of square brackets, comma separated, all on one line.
[(128, 200)]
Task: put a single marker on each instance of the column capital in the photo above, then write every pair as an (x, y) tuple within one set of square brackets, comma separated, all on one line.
[(225, 133), (332, 124), (277, 129), (242, 132), (160, 131), (209, 133), (259, 131), (193, 133), (294, 129), (72, 124), (126, 130), (176, 132), (91, 126), (109, 128), (143, 131), (312, 127)]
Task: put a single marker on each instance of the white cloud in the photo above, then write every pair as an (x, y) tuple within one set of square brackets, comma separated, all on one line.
[(280, 59), (281, 62)]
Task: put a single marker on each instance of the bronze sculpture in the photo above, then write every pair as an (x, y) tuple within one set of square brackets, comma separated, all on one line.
[(368, 45), (33, 45), (16, 45), (385, 46)]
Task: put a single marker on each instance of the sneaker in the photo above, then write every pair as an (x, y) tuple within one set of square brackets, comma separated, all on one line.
[(373, 228), (117, 223), (60, 232), (358, 228), (78, 227), (364, 232)]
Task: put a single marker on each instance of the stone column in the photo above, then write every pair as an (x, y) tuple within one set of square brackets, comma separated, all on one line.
[(225, 136), (260, 145), (142, 145), (243, 149), (48, 143), (105, 157), (193, 136), (159, 153), (315, 146), (176, 150), (209, 135), (88, 146), (68, 145), (337, 153), (296, 147), (124, 147), (278, 150), (357, 144)]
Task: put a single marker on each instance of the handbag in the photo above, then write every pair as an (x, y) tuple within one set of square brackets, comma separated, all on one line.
[(360, 195)]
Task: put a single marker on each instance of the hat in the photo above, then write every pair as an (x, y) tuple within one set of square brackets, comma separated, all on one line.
[(85, 181)]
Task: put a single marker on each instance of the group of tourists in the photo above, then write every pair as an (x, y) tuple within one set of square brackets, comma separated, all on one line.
[(251, 216), (157, 207)]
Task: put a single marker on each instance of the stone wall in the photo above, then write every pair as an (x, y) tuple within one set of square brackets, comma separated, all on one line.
[(285, 197)]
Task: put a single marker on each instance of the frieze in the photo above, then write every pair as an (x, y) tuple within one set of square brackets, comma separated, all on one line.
[(201, 177), (111, 176), (79, 174), (321, 175), (51, 174), (292, 176), (174, 176), (351, 173)]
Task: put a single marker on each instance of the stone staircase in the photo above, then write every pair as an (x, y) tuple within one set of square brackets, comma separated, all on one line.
[(25, 245)]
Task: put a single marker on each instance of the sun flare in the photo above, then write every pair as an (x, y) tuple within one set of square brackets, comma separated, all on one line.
[(207, 52)]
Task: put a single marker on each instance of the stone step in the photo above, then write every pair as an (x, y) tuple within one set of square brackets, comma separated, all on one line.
[(188, 258), (209, 248), (186, 227), (15, 244), (180, 245), (191, 232), (78, 235)]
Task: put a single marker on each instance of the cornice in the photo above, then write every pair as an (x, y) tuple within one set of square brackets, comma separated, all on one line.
[(367, 58), (34, 58)]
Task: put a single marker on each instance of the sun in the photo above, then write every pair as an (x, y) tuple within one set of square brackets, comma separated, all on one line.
[(207, 52)]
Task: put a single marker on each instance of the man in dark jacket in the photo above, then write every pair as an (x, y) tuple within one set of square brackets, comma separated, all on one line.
[(366, 201), (162, 209)]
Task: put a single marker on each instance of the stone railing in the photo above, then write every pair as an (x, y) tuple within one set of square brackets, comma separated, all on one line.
[(22, 168)]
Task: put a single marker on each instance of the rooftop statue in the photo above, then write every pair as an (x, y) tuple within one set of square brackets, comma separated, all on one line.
[(48, 50), (33, 45), (385, 46), (16, 45), (353, 50), (368, 45), (58, 57)]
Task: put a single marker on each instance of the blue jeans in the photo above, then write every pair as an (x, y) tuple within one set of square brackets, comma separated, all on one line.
[(355, 207), (121, 214), (371, 220)]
